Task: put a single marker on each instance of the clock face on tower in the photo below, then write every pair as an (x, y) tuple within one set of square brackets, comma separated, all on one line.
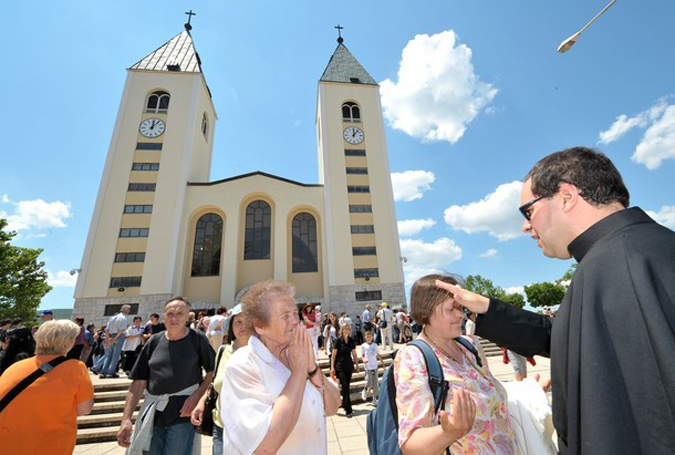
[(152, 127), (353, 135)]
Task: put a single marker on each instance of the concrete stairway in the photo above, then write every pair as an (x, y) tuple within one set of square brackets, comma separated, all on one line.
[(109, 394)]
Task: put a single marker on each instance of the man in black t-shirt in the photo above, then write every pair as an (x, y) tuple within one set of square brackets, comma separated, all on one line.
[(153, 326), (170, 363)]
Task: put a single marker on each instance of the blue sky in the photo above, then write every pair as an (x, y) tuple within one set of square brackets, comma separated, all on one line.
[(474, 94)]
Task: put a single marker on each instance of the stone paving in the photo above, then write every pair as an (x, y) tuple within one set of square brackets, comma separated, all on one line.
[(345, 436)]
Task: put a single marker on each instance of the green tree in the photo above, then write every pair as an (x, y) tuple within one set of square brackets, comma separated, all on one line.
[(515, 299), (23, 281), (545, 294), (485, 287), (567, 276)]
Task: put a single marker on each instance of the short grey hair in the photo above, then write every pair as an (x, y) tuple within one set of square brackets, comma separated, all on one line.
[(55, 337)]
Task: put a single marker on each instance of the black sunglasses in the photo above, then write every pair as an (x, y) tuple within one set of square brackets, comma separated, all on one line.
[(525, 208)]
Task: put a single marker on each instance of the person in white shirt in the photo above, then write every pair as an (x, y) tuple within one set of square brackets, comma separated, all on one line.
[(274, 397), (368, 320), (214, 331), (330, 333), (114, 338), (370, 355), (385, 317), (132, 341)]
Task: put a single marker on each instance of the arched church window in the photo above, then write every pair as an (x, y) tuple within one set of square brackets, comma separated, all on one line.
[(208, 240), (351, 112), (304, 243), (158, 102), (258, 232)]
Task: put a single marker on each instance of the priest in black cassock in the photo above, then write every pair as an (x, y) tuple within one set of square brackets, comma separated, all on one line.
[(612, 342)]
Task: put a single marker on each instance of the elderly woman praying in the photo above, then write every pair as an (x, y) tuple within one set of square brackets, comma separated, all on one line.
[(274, 397)]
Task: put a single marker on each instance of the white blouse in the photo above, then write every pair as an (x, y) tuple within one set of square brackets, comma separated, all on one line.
[(253, 380)]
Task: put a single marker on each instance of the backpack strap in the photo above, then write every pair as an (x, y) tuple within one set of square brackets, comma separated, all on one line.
[(31, 378), (471, 348), (437, 383)]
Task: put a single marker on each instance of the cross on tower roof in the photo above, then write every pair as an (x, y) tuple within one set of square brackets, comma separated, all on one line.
[(339, 29), (188, 27)]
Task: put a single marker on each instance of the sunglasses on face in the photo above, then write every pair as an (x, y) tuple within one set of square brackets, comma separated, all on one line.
[(525, 208)]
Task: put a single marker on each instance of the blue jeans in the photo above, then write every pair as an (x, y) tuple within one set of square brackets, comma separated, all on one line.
[(217, 440), (172, 440), (112, 356)]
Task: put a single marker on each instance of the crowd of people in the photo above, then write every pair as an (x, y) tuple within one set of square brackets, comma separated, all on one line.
[(250, 377)]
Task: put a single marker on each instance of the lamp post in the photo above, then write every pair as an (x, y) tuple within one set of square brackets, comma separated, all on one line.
[(569, 42)]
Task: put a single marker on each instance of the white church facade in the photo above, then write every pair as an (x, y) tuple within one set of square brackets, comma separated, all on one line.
[(161, 228)]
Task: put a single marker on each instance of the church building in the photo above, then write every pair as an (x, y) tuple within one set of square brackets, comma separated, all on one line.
[(162, 228)]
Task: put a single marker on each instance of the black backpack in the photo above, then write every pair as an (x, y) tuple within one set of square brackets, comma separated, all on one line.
[(382, 422)]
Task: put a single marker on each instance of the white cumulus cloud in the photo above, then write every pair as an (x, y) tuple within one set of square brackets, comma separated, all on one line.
[(412, 227), (657, 143), (36, 214), (489, 253), (424, 258), (665, 216), (623, 123), (496, 213), (516, 290), (62, 279), (438, 92), (411, 185), (5, 199)]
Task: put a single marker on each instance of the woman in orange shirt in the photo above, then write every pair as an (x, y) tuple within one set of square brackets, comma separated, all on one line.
[(43, 417)]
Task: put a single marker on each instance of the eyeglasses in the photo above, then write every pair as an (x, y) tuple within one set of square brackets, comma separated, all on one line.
[(525, 208)]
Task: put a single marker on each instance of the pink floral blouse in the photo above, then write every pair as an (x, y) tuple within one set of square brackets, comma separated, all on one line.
[(491, 432)]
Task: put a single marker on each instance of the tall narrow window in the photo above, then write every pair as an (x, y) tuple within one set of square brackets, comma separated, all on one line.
[(351, 112), (304, 243), (158, 103), (208, 240), (205, 126), (258, 230)]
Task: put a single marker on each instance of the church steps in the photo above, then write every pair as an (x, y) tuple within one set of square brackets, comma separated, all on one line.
[(109, 395)]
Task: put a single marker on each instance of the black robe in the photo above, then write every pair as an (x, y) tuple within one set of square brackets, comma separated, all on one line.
[(612, 342)]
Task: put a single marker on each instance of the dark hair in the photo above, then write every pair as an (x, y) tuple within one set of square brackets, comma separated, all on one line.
[(5, 321), (425, 296), (79, 321), (596, 177), (210, 312), (21, 346), (221, 310), (138, 317), (90, 326), (154, 315), (230, 329), (179, 299), (17, 321)]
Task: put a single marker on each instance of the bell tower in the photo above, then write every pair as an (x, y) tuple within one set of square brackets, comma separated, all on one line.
[(162, 138), (364, 256)]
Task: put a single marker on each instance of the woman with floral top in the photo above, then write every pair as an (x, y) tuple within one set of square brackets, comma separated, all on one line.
[(476, 418)]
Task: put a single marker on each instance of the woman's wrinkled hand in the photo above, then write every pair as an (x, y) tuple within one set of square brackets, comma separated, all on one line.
[(296, 352)]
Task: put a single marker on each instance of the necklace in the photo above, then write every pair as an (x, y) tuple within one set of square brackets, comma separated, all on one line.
[(445, 353)]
